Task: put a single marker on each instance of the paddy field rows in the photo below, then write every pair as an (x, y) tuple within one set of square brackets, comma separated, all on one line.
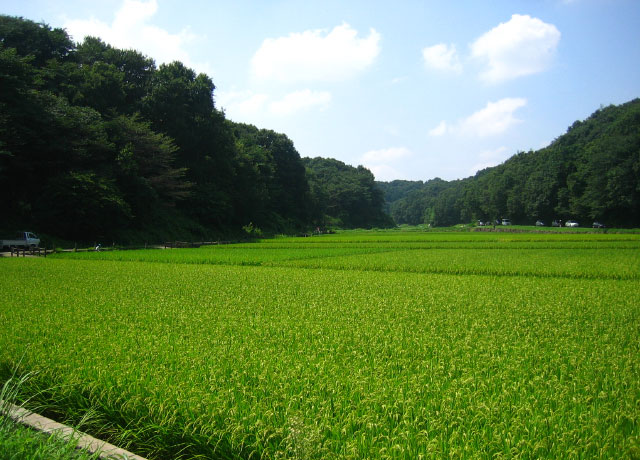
[(356, 345)]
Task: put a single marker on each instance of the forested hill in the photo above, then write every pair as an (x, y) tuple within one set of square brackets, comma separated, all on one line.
[(591, 173), (97, 143), (347, 196), (100, 144)]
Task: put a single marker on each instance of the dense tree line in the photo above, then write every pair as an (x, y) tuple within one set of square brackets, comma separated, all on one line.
[(100, 143), (345, 196), (591, 173)]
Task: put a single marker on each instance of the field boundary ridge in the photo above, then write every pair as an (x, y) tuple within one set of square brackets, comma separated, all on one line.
[(48, 426)]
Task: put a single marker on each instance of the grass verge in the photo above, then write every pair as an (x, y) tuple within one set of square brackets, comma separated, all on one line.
[(20, 442)]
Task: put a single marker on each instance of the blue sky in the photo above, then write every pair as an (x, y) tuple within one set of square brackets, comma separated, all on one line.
[(410, 89)]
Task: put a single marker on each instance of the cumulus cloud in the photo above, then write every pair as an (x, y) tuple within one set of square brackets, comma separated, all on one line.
[(442, 57), (385, 173), (315, 55), (241, 104), (398, 80), (385, 155), (439, 130), (522, 46), (496, 118), (380, 162), (300, 100), (131, 29), (247, 104), (489, 158)]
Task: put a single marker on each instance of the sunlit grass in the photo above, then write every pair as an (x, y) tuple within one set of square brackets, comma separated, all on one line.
[(21, 442)]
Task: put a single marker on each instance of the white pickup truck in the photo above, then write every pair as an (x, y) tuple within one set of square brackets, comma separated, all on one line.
[(24, 240)]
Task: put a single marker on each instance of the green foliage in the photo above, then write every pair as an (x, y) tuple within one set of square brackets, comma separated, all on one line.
[(273, 177), (252, 231), (17, 441), (81, 203), (397, 189), (37, 40), (588, 174), (136, 70), (344, 194), (131, 141), (96, 142), (145, 160)]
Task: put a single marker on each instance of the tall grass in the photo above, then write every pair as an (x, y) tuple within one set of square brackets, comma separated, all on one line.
[(21, 442)]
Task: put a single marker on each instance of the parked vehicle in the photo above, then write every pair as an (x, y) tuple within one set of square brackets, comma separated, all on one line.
[(23, 240), (598, 225), (556, 223), (539, 223), (571, 223), (506, 222)]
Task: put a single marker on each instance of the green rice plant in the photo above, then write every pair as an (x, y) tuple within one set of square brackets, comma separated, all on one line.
[(221, 255), (434, 236), (547, 255), (226, 361), (574, 263)]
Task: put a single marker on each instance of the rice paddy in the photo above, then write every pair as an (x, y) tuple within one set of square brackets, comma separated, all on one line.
[(389, 345)]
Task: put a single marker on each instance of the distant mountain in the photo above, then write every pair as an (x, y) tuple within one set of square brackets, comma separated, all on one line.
[(590, 173)]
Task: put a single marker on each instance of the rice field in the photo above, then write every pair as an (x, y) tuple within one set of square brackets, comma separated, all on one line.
[(381, 345)]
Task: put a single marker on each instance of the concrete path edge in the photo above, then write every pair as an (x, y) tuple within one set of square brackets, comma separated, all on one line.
[(85, 441)]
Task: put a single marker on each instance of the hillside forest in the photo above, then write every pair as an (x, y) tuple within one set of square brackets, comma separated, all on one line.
[(591, 173), (99, 143)]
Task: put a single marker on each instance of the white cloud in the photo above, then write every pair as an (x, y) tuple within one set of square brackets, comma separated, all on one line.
[(241, 105), (130, 29), (439, 130), (496, 118), (393, 130), (442, 57), (315, 55), (398, 80), (380, 162), (385, 155), (300, 100), (493, 155), (522, 46), (246, 105), (385, 173), (489, 158)]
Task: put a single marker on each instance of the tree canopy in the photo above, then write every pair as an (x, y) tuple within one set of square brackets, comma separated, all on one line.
[(345, 196), (591, 173), (100, 143)]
